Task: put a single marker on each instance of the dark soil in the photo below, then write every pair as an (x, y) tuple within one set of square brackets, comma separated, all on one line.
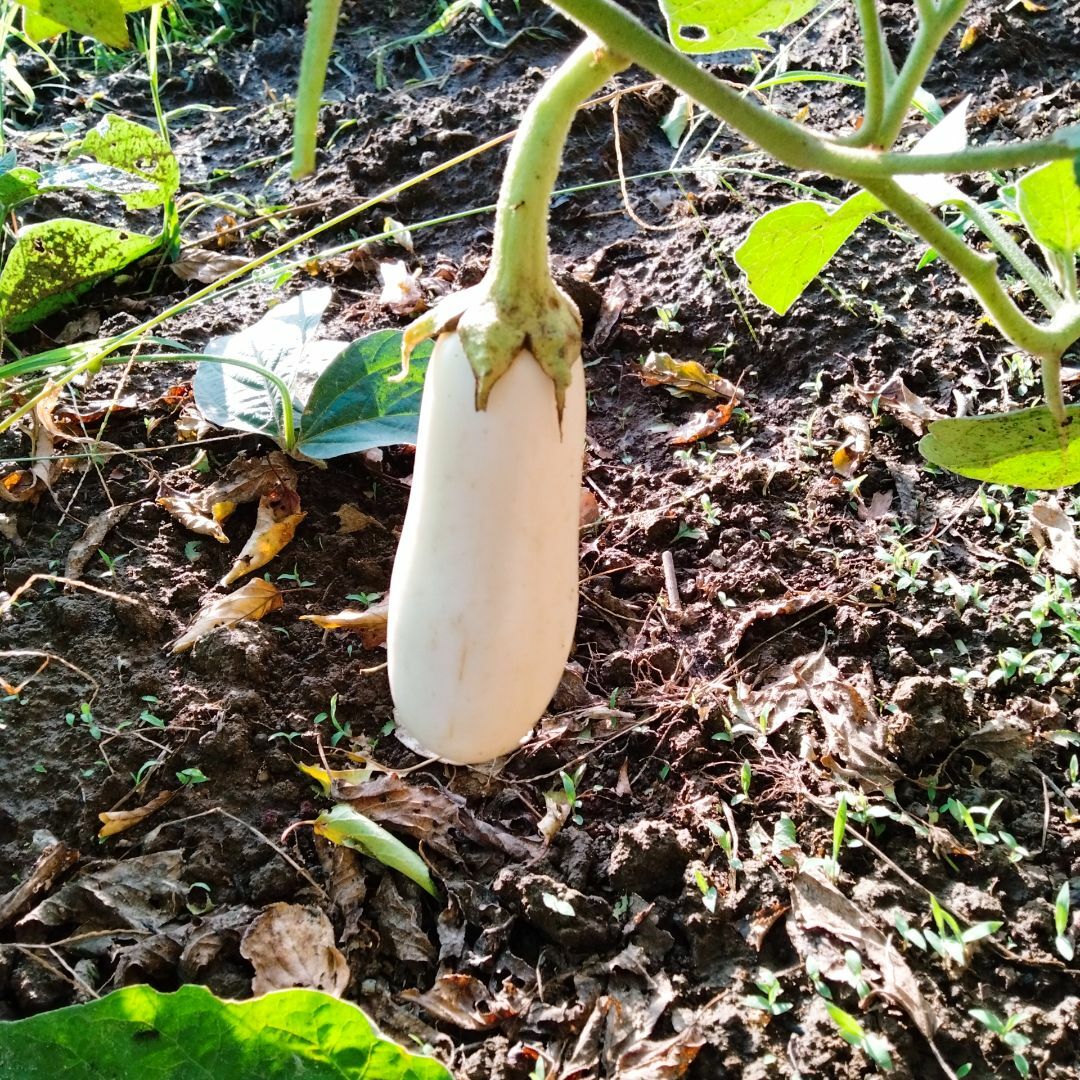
[(829, 634)]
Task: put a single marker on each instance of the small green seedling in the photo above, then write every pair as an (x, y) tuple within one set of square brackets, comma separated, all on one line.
[(192, 776), (852, 1032), (950, 941), (86, 718), (571, 785), (1006, 1031), (341, 730), (768, 1001)]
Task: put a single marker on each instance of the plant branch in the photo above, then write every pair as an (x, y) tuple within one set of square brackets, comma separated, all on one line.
[(875, 65), (932, 30), (318, 43), (793, 144), (1040, 284)]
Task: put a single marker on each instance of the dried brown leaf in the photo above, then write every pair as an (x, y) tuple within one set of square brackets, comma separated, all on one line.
[(52, 864), (252, 601), (275, 525), (187, 512), (354, 520), (118, 821), (467, 1003), (205, 265), (84, 549), (1055, 534), (688, 376), (816, 904), (290, 945), (370, 623), (894, 398)]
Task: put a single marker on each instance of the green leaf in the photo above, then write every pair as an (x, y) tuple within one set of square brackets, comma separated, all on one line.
[(54, 261), (102, 20), (1048, 199), (348, 827), (135, 149), (282, 341), (1061, 908), (16, 186), (708, 26), (140, 1034), (850, 1029), (1022, 448), (354, 405), (788, 247)]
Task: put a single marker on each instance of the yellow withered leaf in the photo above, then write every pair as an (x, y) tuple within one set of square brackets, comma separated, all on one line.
[(370, 623), (117, 821), (251, 601), (279, 514)]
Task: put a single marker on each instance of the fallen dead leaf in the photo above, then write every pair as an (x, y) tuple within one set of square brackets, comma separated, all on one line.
[(290, 945), (847, 459), (143, 893), (252, 601), (401, 291), (354, 520), (615, 298), (430, 814), (878, 509), (399, 921), (84, 549), (191, 516), (19, 486), (556, 814), (701, 425), (399, 234), (52, 863), (467, 1003), (205, 265), (688, 376), (275, 525), (816, 904), (1055, 534), (118, 821), (894, 398), (589, 511), (370, 623)]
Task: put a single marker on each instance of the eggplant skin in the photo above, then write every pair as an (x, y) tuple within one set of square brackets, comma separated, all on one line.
[(484, 591)]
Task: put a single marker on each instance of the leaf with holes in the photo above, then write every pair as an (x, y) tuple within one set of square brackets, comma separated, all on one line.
[(123, 145), (708, 26), (55, 261), (1022, 448), (102, 20)]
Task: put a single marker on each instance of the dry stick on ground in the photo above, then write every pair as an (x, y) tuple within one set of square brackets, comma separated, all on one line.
[(48, 656), (57, 579), (67, 975)]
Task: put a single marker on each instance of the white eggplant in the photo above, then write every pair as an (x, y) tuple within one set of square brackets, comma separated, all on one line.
[(484, 592)]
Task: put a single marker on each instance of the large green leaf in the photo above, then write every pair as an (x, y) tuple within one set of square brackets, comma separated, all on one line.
[(54, 261), (16, 186), (788, 247), (283, 342), (348, 827), (1048, 199), (354, 405), (1022, 448), (140, 1034), (99, 19), (708, 26), (123, 144)]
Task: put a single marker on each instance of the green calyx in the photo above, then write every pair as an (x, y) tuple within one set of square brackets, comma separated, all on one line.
[(518, 306)]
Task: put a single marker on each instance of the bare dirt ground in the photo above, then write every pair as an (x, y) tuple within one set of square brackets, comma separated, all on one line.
[(893, 634)]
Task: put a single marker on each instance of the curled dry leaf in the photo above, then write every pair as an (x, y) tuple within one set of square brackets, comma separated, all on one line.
[(1055, 534), (52, 864), (467, 1003), (290, 945), (701, 425), (84, 549), (556, 814), (401, 291), (817, 905), (118, 821), (19, 486), (275, 525), (245, 481), (894, 397), (660, 369), (252, 601), (205, 265), (370, 623)]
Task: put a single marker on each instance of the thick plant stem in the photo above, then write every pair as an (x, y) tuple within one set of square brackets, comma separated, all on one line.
[(318, 41), (932, 30), (519, 254), (876, 64)]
